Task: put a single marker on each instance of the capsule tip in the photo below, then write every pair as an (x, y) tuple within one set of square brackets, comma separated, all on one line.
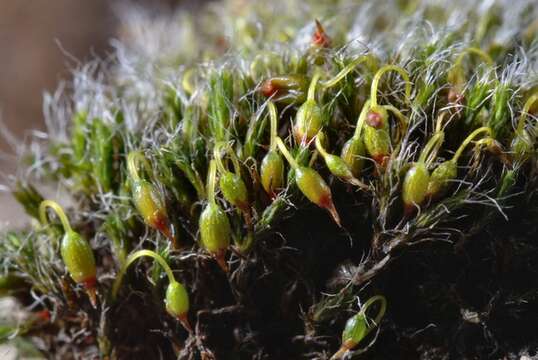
[(409, 210), (354, 181), (91, 290), (348, 345), (328, 204), (220, 258), (381, 160), (184, 320)]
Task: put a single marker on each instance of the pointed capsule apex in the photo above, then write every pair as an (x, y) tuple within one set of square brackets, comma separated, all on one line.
[(342, 351), (334, 213), (91, 291), (320, 37), (184, 320), (220, 258)]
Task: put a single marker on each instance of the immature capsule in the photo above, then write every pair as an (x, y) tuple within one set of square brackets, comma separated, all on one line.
[(176, 298), (358, 326), (440, 178), (272, 173), (354, 331), (234, 190), (309, 118), (215, 230), (146, 198), (336, 165), (377, 143), (415, 187), (76, 253), (78, 258), (353, 153), (309, 122), (150, 205), (316, 190), (215, 233), (288, 89), (177, 303), (311, 183)]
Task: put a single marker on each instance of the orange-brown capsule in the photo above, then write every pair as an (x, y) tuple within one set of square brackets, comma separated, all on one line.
[(320, 37)]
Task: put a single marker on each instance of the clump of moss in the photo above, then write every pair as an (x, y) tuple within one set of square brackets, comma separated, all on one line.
[(215, 141)]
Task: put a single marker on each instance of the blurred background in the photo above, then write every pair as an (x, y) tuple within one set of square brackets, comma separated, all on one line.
[(37, 39)]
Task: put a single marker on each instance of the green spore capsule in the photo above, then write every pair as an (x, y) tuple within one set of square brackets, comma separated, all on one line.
[(231, 184), (359, 326), (377, 138), (150, 205), (215, 229), (415, 187), (234, 190), (272, 166), (309, 118), (272, 173), (215, 233), (147, 199), (336, 165), (288, 89), (354, 150), (76, 252), (353, 153), (176, 299), (78, 258), (440, 179), (309, 121), (311, 184), (316, 190), (377, 143), (177, 303)]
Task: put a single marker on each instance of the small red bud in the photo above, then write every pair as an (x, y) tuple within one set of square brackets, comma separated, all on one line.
[(374, 119), (320, 37)]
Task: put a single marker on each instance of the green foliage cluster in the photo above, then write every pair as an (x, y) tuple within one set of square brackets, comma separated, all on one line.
[(217, 139)]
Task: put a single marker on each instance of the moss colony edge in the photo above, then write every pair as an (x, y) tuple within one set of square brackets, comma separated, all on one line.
[(345, 179)]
